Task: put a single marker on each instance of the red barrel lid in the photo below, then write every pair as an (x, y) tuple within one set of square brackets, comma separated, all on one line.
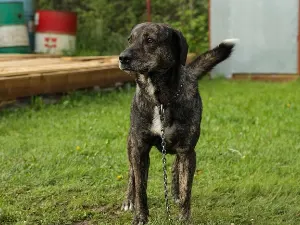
[(56, 22)]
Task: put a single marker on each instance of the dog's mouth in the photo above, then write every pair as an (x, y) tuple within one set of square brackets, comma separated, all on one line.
[(127, 70), (125, 67)]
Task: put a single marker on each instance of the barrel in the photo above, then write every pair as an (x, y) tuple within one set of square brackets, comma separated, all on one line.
[(13, 29), (29, 11), (55, 31)]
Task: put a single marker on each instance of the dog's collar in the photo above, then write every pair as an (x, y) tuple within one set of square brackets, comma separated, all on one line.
[(178, 91), (174, 97)]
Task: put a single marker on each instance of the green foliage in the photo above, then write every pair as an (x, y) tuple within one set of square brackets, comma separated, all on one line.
[(103, 25), (190, 17), (67, 163)]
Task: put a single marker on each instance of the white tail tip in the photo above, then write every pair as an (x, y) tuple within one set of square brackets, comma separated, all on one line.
[(231, 41)]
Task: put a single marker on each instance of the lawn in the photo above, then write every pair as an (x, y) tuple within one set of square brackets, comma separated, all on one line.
[(66, 163)]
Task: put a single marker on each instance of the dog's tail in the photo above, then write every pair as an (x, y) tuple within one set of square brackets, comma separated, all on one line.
[(208, 60)]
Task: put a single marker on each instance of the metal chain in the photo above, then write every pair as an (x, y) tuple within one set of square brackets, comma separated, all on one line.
[(164, 160)]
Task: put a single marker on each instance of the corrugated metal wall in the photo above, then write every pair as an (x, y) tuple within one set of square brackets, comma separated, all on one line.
[(267, 30)]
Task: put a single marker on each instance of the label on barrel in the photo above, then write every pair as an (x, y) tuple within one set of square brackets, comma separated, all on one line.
[(13, 35), (54, 43)]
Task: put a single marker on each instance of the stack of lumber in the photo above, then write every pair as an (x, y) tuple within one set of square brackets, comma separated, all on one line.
[(28, 75)]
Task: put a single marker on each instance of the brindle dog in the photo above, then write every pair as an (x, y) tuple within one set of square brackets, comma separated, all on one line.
[(156, 56)]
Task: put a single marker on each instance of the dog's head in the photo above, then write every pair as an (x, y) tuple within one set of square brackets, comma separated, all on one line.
[(153, 47)]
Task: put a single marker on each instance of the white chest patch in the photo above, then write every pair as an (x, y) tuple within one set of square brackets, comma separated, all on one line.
[(149, 88), (156, 122)]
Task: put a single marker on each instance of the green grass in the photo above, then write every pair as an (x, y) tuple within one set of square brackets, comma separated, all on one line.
[(59, 163)]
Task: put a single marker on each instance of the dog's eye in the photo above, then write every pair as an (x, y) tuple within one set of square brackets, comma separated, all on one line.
[(150, 40)]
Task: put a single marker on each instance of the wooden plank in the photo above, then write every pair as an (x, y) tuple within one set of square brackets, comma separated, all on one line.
[(265, 77), (76, 58), (57, 82), (8, 57), (28, 62), (88, 58), (46, 76), (12, 65), (3, 90), (9, 71), (27, 66)]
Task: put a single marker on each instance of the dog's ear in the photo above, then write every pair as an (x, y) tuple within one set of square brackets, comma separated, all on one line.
[(182, 46)]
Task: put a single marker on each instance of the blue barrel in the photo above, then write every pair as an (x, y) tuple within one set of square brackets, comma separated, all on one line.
[(29, 11)]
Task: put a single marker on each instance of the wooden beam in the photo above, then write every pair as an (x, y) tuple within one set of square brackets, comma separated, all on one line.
[(28, 77), (265, 77), (60, 82), (9, 57)]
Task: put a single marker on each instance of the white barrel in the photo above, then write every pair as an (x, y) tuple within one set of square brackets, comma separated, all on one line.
[(55, 32)]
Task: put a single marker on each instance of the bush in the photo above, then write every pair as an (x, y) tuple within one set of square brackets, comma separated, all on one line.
[(103, 25)]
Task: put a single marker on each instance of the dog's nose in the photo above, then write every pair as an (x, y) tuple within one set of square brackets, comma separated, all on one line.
[(125, 57)]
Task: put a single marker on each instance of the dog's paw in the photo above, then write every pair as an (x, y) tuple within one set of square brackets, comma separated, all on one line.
[(127, 205), (184, 216), (140, 220), (183, 219)]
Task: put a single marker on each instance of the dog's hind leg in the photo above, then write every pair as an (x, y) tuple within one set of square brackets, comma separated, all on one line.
[(208, 60), (186, 167)]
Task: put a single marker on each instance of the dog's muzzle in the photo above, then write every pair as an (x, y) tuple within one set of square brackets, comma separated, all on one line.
[(125, 59)]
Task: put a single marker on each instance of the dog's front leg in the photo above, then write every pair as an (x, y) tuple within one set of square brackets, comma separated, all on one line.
[(175, 180), (186, 169), (128, 203), (140, 161)]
